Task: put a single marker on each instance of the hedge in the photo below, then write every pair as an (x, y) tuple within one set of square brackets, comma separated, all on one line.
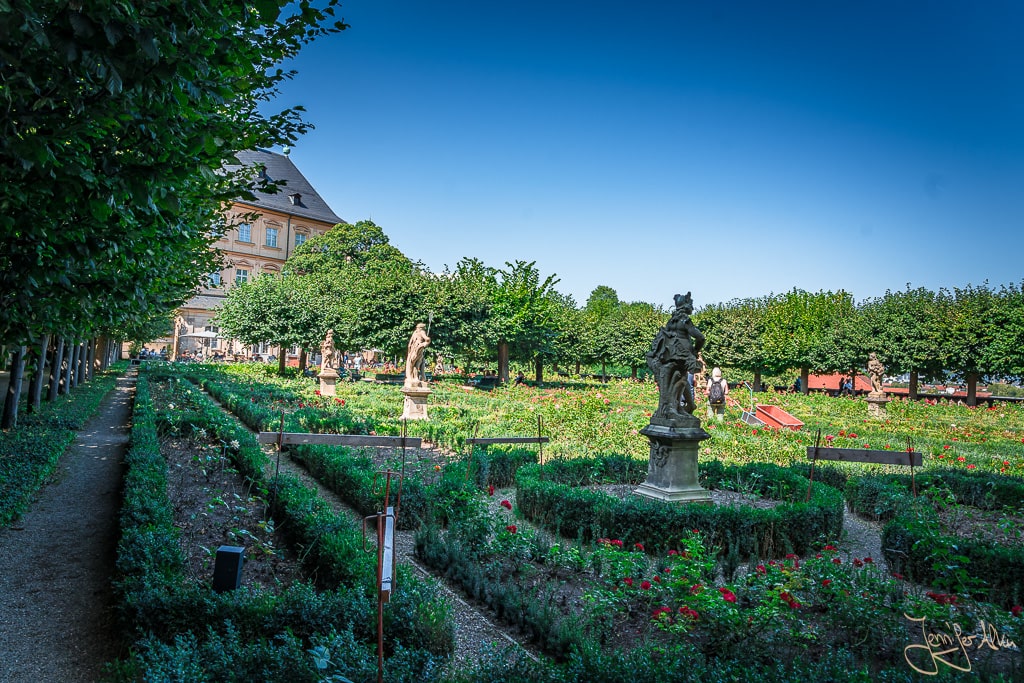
[(561, 502)]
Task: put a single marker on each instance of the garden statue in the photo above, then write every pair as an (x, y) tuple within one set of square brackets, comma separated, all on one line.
[(327, 351), (876, 370), (877, 399), (328, 373), (673, 356), (414, 358), (415, 389), (675, 432)]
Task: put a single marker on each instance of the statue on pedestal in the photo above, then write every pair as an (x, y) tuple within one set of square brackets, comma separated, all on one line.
[(414, 358), (673, 356), (328, 352), (876, 370)]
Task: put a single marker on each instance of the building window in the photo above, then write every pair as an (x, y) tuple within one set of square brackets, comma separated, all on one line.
[(241, 275), (245, 232), (300, 239), (271, 237), (214, 279)]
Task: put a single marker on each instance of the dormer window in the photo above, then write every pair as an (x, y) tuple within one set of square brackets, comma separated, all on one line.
[(295, 198)]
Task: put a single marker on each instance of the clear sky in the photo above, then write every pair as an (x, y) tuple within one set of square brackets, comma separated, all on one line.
[(726, 148)]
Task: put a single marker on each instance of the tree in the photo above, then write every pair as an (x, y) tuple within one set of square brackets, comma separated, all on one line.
[(461, 301), (522, 311), (345, 246), (632, 328), (735, 335), (905, 328), (121, 121), (1006, 354), (968, 334), (813, 332)]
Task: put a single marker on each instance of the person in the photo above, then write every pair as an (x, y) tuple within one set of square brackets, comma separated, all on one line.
[(414, 357), (520, 379), (716, 392), (796, 386)]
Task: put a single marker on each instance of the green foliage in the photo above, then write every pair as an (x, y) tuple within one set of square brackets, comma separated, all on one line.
[(560, 502), (122, 122), (29, 453)]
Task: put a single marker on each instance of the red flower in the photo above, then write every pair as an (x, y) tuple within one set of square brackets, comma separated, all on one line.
[(301, 404), (829, 438), (852, 435), (317, 392), (490, 490), (646, 585), (755, 432), (868, 560), (946, 447), (842, 432), (792, 556), (961, 459), (639, 546), (826, 582), (628, 581), (688, 612), (836, 560), (673, 552), (971, 467), (857, 563), (831, 547), (696, 588), (896, 575), (657, 579), (867, 445), (1016, 610), (661, 610), (761, 569), (615, 542), (511, 528), (506, 504), (727, 594)]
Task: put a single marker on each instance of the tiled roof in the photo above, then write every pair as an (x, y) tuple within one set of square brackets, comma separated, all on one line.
[(280, 168), (206, 302)]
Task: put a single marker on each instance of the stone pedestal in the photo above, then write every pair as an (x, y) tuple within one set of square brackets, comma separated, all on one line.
[(672, 470), (328, 380), (415, 402), (876, 404)]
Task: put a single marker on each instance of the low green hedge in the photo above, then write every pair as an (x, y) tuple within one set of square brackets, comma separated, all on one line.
[(915, 544), (169, 621), (882, 496), (560, 502), (29, 453)]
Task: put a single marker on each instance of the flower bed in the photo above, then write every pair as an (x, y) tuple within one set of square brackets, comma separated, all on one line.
[(559, 502)]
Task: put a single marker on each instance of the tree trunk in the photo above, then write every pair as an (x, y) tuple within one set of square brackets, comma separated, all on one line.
[(80, 363), (281, 357), (972, 388), (503, 362), (604, 373), (805, 373), (36, 394), (539, 368), (90, 358), (757, 381), (10, 416), (56, 368), (577, 368), (302, 360), (69, 367), (912, 392), (632, 372)]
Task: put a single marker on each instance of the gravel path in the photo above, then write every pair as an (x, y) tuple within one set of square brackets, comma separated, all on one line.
[(56, 562)]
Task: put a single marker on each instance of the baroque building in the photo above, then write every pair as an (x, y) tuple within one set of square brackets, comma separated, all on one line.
[(262, 234)]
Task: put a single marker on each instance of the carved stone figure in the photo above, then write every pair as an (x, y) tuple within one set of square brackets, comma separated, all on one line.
[(876, 370), (327, 351), (672, 357), (414, 357)]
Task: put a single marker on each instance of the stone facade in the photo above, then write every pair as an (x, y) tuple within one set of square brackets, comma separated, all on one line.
[(262, 234)]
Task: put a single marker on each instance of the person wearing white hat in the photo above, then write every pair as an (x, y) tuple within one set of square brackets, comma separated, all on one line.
[(716, 392)]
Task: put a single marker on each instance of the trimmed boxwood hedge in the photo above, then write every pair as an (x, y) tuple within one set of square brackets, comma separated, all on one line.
[(915, 545), (560, 502)]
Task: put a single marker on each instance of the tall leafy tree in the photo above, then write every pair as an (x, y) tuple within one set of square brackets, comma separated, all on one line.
[(1006, 353), (523, 311), (735, 335), (632, 328), (968, 334), (120, 120), (905, 326)]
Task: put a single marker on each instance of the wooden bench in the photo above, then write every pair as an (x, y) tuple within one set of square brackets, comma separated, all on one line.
[(908, 458)]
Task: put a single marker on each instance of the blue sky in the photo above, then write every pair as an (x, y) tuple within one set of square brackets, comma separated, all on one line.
[(726, 148)]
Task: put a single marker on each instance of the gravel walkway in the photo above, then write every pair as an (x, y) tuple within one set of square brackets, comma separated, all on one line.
[(56, 562)]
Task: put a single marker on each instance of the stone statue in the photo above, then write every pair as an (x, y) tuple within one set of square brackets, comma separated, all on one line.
[(414, 357), (327, 351), (876, 370), (672, 357)]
